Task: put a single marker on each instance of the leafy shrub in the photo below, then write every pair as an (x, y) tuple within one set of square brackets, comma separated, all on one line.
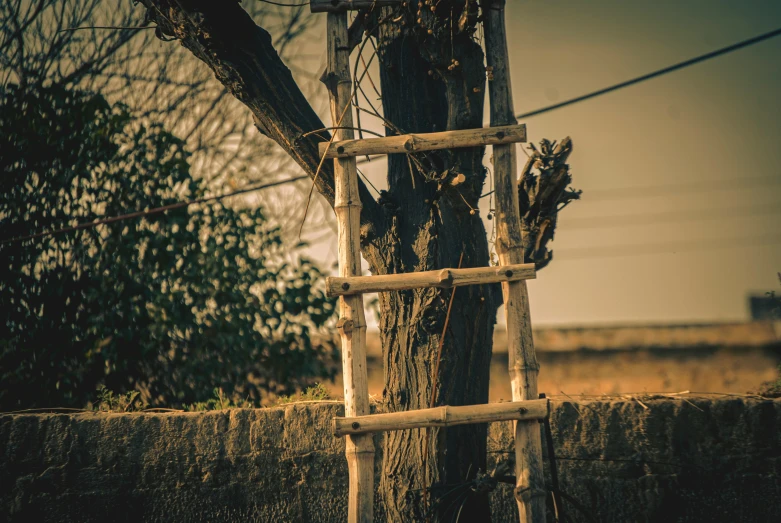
[(219, 402), (316, 393), (771, 389), (108, 401), (170, 305)]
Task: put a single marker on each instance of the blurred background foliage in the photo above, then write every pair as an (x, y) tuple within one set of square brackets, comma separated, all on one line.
[(106, 120), (109, 48), (172, 304)]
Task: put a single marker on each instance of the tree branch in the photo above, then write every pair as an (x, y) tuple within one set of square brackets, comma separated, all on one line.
[(242, 57), (541, 197)]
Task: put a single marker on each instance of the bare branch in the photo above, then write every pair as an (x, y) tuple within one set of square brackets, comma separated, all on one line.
[(242, 56)]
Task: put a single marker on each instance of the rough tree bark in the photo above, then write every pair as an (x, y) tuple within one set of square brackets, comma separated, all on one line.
[(432, 74), (431, 82)]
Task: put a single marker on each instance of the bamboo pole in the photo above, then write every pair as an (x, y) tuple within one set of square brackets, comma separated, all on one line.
[(443, 278), (337, 6), (530, 491), (444, 416), (352, 324), (412, 143)]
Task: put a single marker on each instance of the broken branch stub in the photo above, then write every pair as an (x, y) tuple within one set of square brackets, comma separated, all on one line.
[(541, 196)]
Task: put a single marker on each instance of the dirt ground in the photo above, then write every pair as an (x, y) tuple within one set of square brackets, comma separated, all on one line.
[(614, 372), (629, 359)]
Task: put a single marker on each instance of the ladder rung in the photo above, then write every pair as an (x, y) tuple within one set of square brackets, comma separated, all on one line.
[(343, 286), (337, 6), (442, 417), (411, 143)]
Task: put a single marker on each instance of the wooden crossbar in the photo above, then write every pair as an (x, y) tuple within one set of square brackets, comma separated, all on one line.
[(443, 278), (444, 416), (336, 6), (411, 143)]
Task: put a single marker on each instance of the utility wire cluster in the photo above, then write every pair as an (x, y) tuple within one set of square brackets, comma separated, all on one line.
[(604, 194)]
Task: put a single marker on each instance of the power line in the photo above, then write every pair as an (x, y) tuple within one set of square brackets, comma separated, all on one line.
[(660, 72), (681, 65), (624, 220), (615, 251), (156, 210), (111, 27), (734, 184), (280, 4), (646, 191), (639, 79)]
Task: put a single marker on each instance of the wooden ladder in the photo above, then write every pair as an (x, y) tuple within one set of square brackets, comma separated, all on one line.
[(525, 410)]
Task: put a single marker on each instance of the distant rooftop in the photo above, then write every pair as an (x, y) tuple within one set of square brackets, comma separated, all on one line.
[(665, 336), (631, 337)]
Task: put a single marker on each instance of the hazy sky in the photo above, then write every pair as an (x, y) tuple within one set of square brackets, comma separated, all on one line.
[(702, 142)]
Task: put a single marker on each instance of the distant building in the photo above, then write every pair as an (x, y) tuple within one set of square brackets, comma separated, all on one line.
[(765, 307)]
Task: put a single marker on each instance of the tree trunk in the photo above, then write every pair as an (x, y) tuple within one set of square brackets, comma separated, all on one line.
[(430, 223), (431, 81)]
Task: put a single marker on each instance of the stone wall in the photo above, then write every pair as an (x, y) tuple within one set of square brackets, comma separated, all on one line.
[(656, 459)]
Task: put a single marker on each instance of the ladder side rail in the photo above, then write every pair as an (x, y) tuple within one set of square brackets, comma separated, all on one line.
[(530, 490), (360, 449)]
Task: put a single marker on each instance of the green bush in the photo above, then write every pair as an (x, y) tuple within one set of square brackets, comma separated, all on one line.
[(219, 401), (108, 401), (318, 392), (170, 305)]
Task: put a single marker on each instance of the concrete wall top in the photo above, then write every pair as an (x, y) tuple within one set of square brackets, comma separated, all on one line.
[(657, 459)]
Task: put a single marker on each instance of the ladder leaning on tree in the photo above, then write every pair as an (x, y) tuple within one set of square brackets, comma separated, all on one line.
[(525, 410)]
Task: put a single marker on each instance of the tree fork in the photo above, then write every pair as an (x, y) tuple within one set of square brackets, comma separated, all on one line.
[(409, 229), (243, 59)]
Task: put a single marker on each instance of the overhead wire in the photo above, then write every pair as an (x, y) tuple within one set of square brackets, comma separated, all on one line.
[(280, 4), (701, 186), (624, 220), (654, 74), (616, 251), (660, 72), (680, 65), (645, 191), (148, 212)]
